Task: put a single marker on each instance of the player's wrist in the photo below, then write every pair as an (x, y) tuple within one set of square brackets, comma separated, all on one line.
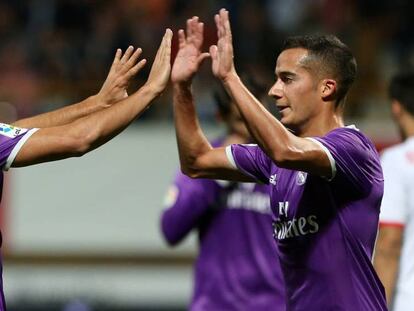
[(99, 100), (230, 78), (151, 89), (182, 84)]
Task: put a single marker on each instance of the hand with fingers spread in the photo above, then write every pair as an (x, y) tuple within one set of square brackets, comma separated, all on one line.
[(222, 53), (161, 67), (123, 68), (189, 56)]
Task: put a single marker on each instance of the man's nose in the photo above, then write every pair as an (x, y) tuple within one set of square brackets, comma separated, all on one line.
[(276, 90)]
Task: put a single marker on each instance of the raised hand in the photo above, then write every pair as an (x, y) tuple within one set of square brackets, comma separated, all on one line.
[(189, 56), (222, 53), (123, 68), (161, 68)]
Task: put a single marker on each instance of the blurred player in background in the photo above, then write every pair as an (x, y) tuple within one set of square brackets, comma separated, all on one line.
[(325, 179), (75, 130), (394, 254), (237, 266)]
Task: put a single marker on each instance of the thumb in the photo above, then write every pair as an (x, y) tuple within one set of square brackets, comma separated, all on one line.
[(213, 52), (202, 57)]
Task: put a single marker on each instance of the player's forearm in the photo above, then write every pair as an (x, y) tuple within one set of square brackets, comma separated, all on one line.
[(387, 257), (64, 115), (191, 141), (101, 126), (267, 131), (386, 264)]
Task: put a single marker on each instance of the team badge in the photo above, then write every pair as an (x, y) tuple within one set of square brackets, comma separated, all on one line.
[(273, 179), (11, 131), (301, 178), (171, 196)]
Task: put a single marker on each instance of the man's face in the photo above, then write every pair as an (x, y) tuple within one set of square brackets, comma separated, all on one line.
[(295, 89)]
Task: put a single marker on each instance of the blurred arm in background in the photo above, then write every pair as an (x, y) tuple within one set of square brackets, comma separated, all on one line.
[(186, 202), (387, 257)]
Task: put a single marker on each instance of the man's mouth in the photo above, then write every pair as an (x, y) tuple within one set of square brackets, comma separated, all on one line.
[(282, 108)]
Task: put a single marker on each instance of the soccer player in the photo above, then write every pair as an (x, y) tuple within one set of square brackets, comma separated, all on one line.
[(80, 128), (237, 266), (395, 245), (325, 178)]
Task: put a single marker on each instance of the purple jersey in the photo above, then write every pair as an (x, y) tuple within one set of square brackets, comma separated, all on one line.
[(325, 230), (11, 140), (237, 267)]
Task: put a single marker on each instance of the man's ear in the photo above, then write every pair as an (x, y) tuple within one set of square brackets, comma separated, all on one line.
[(328, 89)]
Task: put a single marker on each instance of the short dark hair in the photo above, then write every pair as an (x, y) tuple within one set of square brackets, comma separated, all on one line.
[(402, 89), (332, 56)]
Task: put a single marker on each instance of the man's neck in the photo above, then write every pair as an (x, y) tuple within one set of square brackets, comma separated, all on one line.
[(320, 126)]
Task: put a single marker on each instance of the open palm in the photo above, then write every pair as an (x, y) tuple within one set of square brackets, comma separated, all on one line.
[(189, 56), (222, 53)]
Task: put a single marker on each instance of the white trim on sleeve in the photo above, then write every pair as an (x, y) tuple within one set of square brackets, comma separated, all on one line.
[(328, 153), (230, 157), (17, 148)]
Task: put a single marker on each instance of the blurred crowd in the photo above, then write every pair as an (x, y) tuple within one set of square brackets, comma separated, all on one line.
[(56, 52)]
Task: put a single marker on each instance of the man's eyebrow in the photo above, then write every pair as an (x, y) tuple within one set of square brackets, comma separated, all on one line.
[(284, 73)]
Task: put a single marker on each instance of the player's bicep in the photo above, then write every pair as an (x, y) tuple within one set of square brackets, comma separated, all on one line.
[(49, 144), (309, 155), (216, 164)]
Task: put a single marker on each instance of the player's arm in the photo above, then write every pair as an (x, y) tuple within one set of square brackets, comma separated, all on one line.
[(186, 203), (88, 133), (387, 257), (123, 68), (284, 148), (197, 157)]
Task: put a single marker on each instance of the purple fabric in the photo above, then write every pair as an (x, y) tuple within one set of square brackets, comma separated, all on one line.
[(325, 230), (8, 140), (237, 267)]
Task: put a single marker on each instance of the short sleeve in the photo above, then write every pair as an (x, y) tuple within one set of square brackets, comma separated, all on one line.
[(250, 160), (11, 141), (355, 158), (394, 203)]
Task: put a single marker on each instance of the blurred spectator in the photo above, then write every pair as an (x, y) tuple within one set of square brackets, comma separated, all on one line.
[(395, 246)]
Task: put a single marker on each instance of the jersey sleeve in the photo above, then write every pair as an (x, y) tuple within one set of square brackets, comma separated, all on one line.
[(186, 202), (11, 141), (354, 160), (394, 202), (250, 160)]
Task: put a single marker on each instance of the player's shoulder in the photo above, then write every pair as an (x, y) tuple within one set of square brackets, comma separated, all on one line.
[(351, 137), (350, 132)]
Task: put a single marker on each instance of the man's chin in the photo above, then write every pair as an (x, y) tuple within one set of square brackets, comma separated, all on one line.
[(289, 125), (285, 121)]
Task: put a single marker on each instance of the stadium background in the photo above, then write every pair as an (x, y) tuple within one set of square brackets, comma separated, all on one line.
[(86, 230)]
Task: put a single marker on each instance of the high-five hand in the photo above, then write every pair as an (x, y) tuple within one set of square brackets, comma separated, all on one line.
[(222, 53), (123, 68), (189, 56), (161, 67)]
